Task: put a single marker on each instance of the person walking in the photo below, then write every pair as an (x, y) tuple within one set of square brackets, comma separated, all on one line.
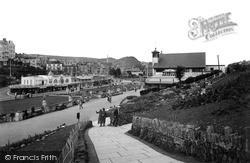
[(80, 104), (109, 98), (12, 115), (25, 114), (33, 112), (103, 117), (44, 105), (99, 117), (15, 95), (116, 116)]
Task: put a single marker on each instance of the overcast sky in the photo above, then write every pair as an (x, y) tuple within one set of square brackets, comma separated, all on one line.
[(97, 28)]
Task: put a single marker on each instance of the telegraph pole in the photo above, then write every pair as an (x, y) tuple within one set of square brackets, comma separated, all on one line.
[(218, 58)]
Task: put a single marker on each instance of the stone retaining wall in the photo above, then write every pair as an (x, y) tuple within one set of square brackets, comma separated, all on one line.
[(204, 144)]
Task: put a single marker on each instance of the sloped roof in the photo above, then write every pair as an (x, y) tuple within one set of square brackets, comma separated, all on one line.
[(173, 60)]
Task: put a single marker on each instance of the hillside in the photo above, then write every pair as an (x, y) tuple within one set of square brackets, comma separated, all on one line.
[(127, 62), (76, 59), (105, 60), (225, 103)]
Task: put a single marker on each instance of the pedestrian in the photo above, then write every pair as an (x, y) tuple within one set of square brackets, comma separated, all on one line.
[(103, 117), (111, 119), (44, 105), (116, 116), (109, 98), (12, 115), (80, 104), (70, 98), (25, 113), (33, 111), (99, 116), (15, 95)]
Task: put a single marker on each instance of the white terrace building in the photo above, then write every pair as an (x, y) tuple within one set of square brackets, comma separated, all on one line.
[(43, 83), (46, 80)]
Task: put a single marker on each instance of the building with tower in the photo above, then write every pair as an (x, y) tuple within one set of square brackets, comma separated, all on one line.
[(164, 66)]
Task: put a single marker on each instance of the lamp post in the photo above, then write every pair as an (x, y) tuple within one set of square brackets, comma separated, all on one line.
[(147, 70), (160, 83), (10, 66)]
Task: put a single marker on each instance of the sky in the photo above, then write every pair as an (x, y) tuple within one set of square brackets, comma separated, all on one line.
[(120, 28)]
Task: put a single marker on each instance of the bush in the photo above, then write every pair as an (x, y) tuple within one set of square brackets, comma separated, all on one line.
[(131, 97)]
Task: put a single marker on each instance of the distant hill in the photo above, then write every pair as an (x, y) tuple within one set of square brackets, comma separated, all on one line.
[(76, 59), (127, 62), (105, 60)]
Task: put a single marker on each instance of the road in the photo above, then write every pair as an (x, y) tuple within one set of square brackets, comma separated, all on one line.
[(14, 131)]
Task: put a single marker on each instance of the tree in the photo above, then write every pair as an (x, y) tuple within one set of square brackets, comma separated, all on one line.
[(112, 71), (180, 71), (118, 72), (115, 72)]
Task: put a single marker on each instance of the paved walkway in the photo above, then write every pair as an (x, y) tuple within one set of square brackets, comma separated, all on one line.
[(112, 145), (14, 131)]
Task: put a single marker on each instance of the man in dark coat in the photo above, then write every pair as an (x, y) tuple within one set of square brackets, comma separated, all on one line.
[(99, 116), (116, 114), (103, 117)]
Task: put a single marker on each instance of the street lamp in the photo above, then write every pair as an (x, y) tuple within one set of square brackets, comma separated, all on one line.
[(10, 67)]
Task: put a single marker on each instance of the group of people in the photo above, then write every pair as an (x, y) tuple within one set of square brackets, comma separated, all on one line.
[(102, 117), (114, 117)]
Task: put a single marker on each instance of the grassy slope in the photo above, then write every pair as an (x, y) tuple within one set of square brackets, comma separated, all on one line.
[(53, 142), (209, 114)]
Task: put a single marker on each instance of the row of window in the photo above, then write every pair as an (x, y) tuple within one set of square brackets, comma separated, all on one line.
[(57, 81), (27, 82), (168, 74), (30, 82)]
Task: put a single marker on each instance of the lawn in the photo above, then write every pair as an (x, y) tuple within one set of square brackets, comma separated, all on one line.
[(22, 104), (53, 142)]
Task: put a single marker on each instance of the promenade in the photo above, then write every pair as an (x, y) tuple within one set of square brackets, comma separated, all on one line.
[(113, 145)]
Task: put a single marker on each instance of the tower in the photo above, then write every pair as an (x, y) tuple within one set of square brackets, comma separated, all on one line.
[(155, 56), (155, 59)]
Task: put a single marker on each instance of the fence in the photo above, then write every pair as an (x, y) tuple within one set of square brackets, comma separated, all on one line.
[(68, 151)]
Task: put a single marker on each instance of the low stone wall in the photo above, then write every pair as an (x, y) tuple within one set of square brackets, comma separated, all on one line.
[(204, 144)]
